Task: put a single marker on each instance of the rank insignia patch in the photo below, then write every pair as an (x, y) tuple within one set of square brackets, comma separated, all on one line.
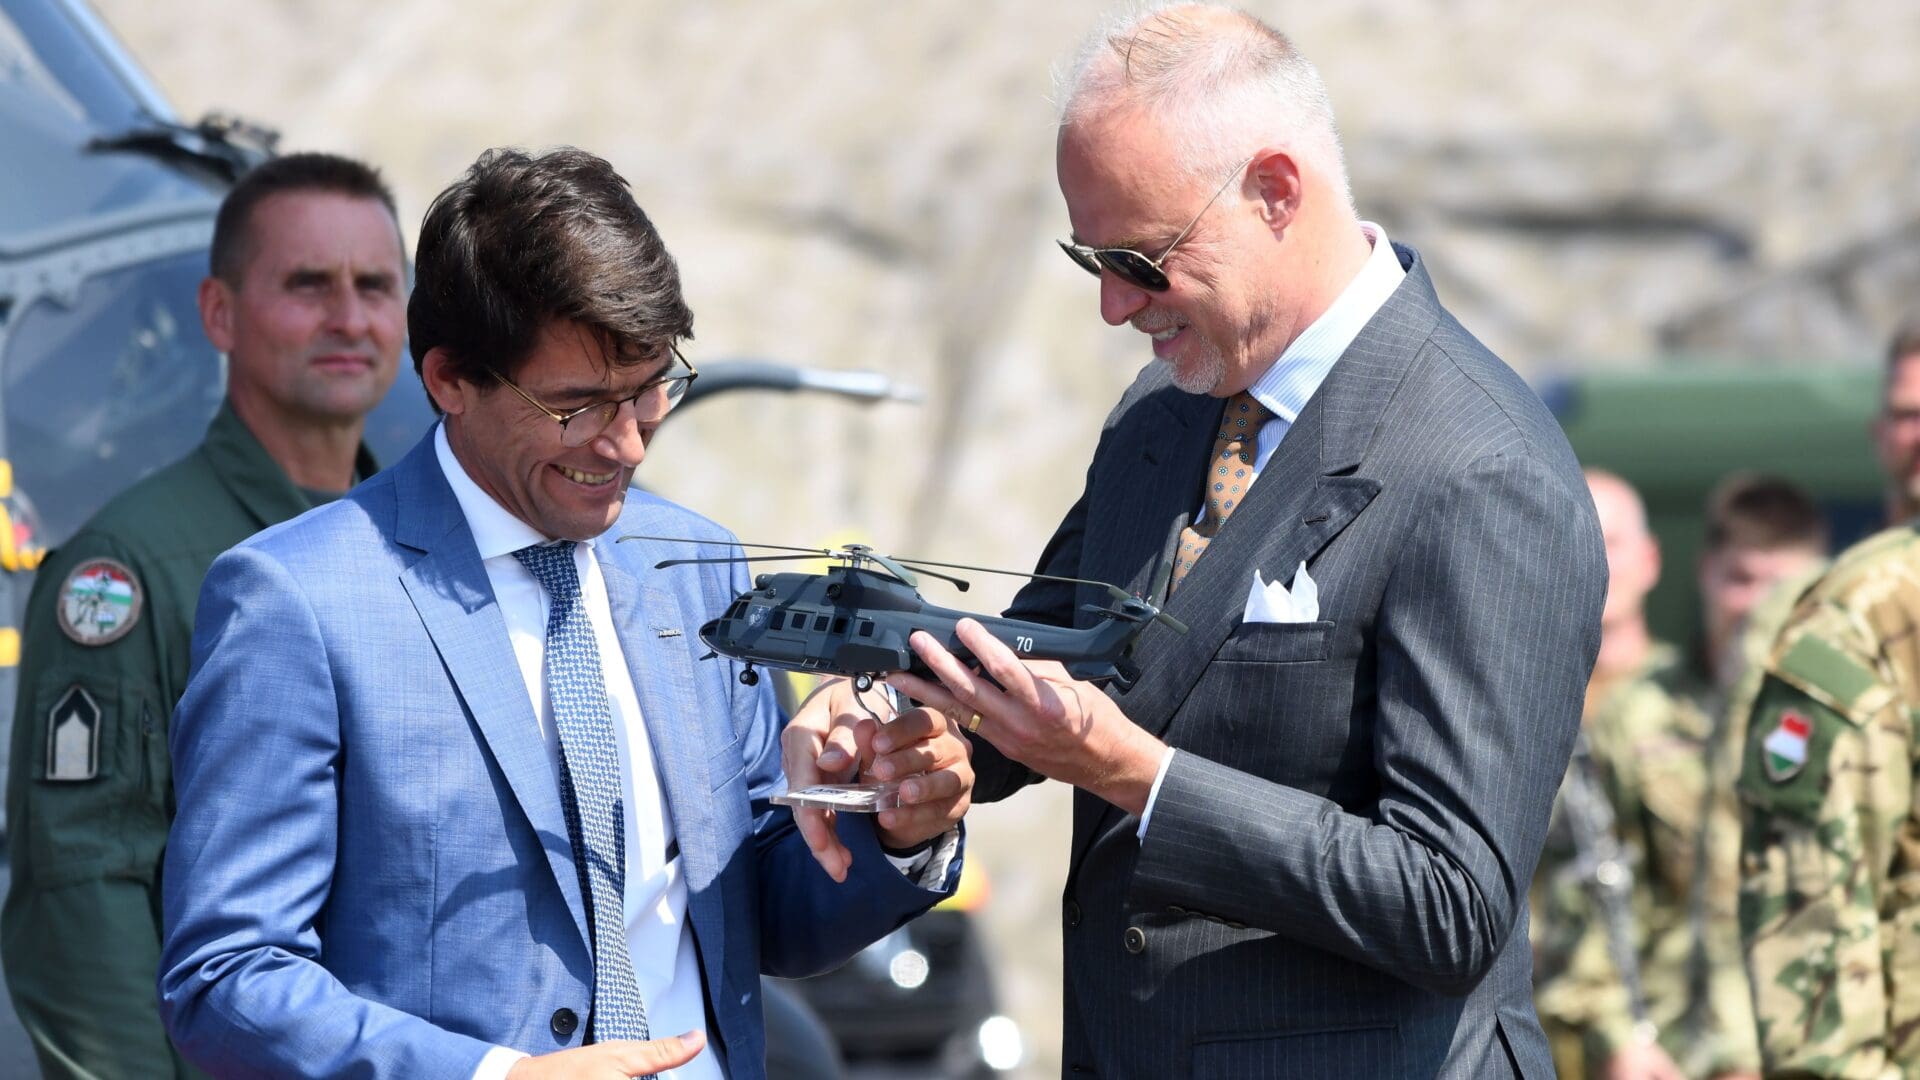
[(1784, 753), (99, 602), (73, 736)]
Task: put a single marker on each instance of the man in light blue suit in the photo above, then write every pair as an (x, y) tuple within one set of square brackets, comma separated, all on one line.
[(456, 797)]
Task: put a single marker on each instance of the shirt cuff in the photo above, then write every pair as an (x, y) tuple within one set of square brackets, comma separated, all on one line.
[(1146, 815), (495, 1065), (928, 869)]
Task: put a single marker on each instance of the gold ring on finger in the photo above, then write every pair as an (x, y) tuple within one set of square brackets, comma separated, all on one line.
[(973, 725)]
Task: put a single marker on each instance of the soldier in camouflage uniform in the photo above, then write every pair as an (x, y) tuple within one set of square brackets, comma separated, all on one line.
[(1830, 898), (1766, 541), (1829, 902), (1646, 741), (1594, 1013), (1896, 431), (1655, 732), (306, 298)]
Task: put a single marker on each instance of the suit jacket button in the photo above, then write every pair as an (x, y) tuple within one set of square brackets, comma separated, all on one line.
[(1135, 939), (564, 1022), (1072, 914)]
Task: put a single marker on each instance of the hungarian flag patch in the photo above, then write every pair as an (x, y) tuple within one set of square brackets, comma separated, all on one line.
[(1784, 753)]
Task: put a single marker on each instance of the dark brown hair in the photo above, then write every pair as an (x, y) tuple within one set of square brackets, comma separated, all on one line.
[(523, 240), (329, 173), (1765, 512)]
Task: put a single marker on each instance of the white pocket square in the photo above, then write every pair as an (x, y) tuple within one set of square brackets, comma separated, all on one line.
[(1273, 602)]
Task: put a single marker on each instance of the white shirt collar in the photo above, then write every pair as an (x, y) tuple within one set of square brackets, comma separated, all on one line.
[(1292, 380), (495, 530)]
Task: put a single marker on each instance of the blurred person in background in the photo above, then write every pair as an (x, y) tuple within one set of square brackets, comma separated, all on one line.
[(305, 297), (1303, 834), (1766, 543), (1591, 988), (1830, 886), (1764, 534), (1657, 732), (1896, 432), (456, 796)]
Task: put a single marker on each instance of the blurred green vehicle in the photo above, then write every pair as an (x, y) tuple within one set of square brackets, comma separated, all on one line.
[(1674, 432)]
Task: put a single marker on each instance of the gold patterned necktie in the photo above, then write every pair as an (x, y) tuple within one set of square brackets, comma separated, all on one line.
[(1229, 475)]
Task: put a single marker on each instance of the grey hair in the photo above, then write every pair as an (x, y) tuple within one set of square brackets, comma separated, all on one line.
[(1224, 81)]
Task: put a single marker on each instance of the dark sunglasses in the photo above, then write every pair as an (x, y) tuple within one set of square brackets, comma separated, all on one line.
[(1131, 266)]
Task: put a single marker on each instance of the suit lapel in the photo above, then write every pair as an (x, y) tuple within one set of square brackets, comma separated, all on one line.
[(662, 672), (449, 589), (1302, 499), (1290, 513), (663, 678), (1158, 498)]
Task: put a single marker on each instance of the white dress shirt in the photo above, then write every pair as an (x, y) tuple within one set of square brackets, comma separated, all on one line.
[(659, 938), (1293, 379)]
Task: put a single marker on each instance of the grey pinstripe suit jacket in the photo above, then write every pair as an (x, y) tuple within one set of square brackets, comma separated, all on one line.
[(1334, 882)]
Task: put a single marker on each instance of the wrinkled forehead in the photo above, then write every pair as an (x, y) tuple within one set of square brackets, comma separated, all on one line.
[(321, 229)]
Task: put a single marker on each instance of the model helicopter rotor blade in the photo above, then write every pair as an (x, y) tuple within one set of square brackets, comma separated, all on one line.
[(664, 563), (823, 552), (858, 555), (1113, 591), (899, 570)]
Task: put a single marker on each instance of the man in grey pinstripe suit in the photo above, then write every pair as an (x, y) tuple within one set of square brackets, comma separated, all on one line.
[(1302, 841)]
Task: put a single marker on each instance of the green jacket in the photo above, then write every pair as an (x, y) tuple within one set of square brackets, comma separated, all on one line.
[(89, 785)]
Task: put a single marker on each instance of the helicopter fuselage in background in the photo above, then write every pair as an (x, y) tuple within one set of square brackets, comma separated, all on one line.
[(855, 622)]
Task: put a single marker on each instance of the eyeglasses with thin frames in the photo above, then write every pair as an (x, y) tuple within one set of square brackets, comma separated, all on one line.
[(1133, 267), (651, 403)]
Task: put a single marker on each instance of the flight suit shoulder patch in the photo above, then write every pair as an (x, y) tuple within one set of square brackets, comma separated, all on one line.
[(73, 736), (99, 602)]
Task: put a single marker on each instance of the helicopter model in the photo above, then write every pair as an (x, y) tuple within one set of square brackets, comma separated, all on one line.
[(854, 620)]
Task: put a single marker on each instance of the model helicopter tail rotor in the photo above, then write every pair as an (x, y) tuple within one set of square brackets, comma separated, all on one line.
[(1134, 609)]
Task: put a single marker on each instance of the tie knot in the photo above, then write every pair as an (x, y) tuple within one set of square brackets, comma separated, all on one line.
[(1242, 417), (552, 566)]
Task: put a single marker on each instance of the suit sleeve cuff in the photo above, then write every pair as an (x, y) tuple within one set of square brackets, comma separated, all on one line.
[(1153, 794), (496, 1064), (928, 869)]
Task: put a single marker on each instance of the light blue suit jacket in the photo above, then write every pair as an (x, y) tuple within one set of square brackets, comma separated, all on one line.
[(369, 873)]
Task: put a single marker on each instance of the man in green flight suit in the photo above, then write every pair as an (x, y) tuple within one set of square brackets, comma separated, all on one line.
[(306, 299)]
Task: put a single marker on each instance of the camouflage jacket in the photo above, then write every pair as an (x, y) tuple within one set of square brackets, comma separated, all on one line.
[(1651, 737), (1830, 859)]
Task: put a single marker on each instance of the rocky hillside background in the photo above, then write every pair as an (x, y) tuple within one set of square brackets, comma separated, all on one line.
[(865, 184)]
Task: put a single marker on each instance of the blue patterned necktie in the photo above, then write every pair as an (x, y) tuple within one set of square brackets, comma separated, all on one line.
[(1229, 475), (591, 786)]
